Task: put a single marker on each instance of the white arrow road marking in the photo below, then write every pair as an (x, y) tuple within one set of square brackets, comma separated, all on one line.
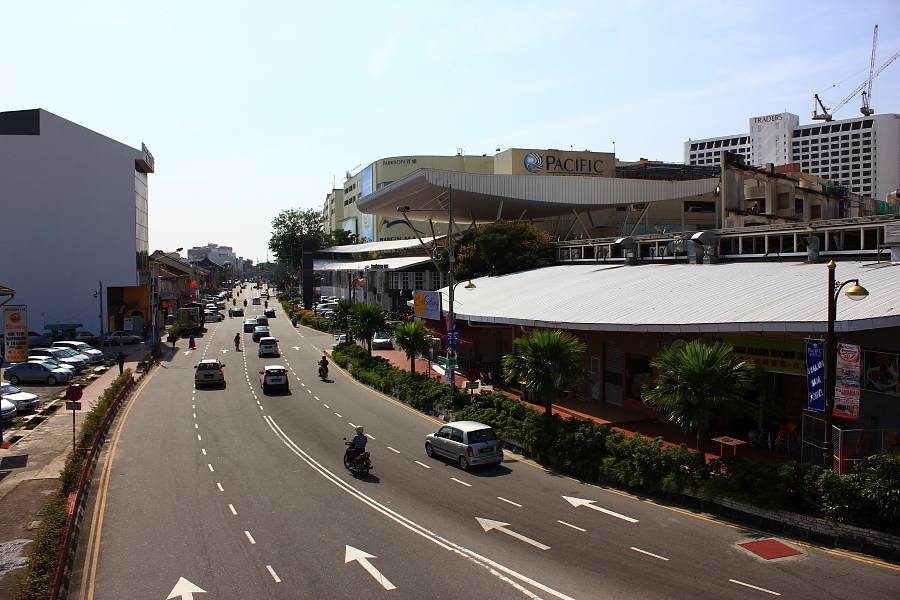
[(743, 584), (488, 524), (362, 558), (187, 353), (185, 590), (590, 504), (295, 347), (224, 351)]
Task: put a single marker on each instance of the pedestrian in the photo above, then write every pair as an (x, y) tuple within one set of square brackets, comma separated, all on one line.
[(172, 338), (237, 342), (120, 360), (230, 313), (191, 343)]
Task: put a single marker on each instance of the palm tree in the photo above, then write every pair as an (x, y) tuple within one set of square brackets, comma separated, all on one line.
[(365, 321), (546, 359), (413, 339), (341, 316), (698, 382)]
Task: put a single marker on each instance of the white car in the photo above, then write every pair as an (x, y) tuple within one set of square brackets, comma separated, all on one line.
[(22, 400), (7, 410), (94, 356), (268, 345), (382, 341), (118, 338), (275, 376)]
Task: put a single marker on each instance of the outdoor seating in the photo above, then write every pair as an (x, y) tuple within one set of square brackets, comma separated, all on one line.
[(786, 433)]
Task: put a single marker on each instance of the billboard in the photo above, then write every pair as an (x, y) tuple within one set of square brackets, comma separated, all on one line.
[(427, 305), (15, 333), (847, 379)]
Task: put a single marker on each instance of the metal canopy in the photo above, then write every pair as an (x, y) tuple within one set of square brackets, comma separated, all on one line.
[(484, 197)]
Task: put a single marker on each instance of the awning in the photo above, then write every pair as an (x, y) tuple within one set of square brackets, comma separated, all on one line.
[(63, 326)]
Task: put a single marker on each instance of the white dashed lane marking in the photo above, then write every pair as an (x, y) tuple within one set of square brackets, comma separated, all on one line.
[(423, 464)]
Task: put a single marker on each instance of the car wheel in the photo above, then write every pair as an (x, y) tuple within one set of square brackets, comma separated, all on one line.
[(463, 463), (14, 380), (428, 449), (51, 380)]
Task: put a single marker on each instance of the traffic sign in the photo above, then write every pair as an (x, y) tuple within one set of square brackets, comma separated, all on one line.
[(452, 339), (73, 392), (73, 405), (472, 374), (447, 362)]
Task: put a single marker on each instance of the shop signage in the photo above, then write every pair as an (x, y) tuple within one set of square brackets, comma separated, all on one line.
[(15, 333), (778, 356), (880, 372), (427, 304), (815, 371), (847, 381)]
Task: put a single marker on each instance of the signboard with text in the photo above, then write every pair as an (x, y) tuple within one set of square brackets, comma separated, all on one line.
[(427, 305), (778, 356), (847, 378), (815, 372), (15, 333)]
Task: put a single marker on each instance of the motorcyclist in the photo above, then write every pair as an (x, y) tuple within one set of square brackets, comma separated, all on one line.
[(245, 302), (323, 366), (266, 303), (357, 445)]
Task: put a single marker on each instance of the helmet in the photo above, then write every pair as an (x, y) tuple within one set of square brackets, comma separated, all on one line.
[(359, 429)]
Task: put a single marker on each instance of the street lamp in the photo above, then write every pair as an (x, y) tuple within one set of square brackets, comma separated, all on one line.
[(854, 292)]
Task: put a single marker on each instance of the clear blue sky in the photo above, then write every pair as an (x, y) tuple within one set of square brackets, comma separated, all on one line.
[(254, 107)]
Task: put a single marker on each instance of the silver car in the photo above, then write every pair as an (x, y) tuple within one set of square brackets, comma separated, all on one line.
[(469, 443), (52, 361), (62, 355), (22, 400), (35, 372), (7, 410), (93, 356)]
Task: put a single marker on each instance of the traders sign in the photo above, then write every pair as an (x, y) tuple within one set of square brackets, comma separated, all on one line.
[(427, 305), (15, 333)]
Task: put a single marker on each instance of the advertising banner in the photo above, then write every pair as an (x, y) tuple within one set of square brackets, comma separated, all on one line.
[(847, 378), (427, 305), (15, 333), (815, 371), (881, 373)]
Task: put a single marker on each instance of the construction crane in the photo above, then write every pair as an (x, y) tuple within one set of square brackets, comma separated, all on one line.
[(827, 115)]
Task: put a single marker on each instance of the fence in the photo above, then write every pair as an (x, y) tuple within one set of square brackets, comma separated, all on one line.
[(852, 447)]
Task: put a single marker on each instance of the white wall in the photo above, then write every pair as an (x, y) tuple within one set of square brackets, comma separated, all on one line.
[(67, 198)]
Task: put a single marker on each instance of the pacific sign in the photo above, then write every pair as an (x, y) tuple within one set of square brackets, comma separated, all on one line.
[(565, 163)]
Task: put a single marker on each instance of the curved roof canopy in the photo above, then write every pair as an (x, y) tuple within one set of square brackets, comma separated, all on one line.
[(488, 197)]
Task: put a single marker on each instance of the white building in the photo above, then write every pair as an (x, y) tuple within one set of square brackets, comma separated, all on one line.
[(861, 154), (221, 255), (75, 215)]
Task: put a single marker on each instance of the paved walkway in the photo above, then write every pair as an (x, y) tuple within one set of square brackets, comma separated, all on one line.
[(29, 473), (617, 417)]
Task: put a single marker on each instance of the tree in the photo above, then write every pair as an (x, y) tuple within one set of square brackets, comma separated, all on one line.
[(698, 382), (365, 321), (341, 317), (290, 228), (545, 360), (486, 250), (413, 339)]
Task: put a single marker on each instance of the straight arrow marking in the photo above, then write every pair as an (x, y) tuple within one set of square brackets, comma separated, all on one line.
[(488, 524), (590, 504), (362, 558), (185, 590)]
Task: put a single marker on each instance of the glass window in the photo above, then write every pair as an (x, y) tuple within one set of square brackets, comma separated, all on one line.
[(637, 373)]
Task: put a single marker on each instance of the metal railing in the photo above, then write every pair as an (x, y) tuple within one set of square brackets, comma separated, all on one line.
[(852, 447)]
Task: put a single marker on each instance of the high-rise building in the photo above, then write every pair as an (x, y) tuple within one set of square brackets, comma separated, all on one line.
[(861, 154)]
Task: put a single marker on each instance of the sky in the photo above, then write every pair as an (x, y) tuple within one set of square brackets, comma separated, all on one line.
[(251, 108)]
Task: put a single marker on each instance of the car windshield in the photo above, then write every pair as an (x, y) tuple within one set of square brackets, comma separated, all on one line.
[(208, 367), (482, 435)]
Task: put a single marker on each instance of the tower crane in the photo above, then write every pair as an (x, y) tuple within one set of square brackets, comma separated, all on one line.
[(865, 87)]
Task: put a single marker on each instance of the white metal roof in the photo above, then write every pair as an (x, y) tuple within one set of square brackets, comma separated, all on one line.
[(380, 246), (726, 298), (324, 264), (482, 197)]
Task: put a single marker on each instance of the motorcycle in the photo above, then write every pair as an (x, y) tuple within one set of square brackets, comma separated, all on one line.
[(358, 464), (323, 372)]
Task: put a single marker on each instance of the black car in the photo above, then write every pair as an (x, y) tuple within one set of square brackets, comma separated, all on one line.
[(270, 313), (237, 312), (260, 331)]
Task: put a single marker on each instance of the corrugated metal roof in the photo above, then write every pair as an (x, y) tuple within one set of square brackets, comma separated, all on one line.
[(323, 264), (680, 298), (380, 246), (478, 197)]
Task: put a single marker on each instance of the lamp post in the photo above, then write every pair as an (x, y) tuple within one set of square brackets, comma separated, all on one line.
[(854, 292)]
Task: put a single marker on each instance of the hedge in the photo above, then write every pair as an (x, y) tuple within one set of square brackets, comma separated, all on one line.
[(584, 449)]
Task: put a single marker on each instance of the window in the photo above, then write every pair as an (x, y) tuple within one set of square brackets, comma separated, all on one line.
[(637, 373), (805, 142)]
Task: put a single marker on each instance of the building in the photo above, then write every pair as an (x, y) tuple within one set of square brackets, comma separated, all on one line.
[(861, 154), (75, 239), (221, 255)]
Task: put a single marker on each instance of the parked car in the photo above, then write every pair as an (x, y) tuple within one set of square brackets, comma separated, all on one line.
[(7, 410), (35, 372), (259, 332), (342, 339), (274, 376), (268, 345), (249, 325), (72, 353), (94, 356), (87, 337), (468, 442), (118, 338), (22, 400), (382, 341), (209, 372), (60, 354), (49, 359)]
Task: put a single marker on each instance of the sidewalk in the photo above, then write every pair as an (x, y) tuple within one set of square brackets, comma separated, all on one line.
[(617, 417), (29, 473)]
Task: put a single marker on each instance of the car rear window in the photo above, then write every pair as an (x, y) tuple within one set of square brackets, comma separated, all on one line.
[(482, 435), (208, 367), (274, 372)]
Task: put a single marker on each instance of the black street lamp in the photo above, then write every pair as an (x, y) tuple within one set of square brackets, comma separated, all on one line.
[(854, 292)]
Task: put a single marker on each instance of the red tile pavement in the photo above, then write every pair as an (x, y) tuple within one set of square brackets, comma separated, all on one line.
[(620, 419)]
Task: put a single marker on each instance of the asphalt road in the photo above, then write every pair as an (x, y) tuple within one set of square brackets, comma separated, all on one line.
[(243, 495)]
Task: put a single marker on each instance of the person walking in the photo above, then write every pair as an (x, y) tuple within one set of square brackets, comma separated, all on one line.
[(237, 342), (230, 313), (120, 360), (192, 345), (172, 338)]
